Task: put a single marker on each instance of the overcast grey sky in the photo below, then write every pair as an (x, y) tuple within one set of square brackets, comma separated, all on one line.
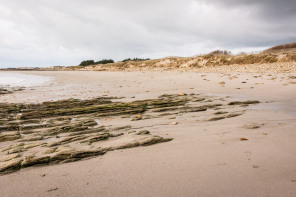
[(65, 32)]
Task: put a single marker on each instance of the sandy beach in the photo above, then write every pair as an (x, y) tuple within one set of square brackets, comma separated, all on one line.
[(148, 98), (249, 153)]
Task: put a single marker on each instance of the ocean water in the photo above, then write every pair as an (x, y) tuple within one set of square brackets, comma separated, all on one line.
[(10, 79)]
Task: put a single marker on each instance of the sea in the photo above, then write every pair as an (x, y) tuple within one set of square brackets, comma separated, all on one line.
[(11, 79)]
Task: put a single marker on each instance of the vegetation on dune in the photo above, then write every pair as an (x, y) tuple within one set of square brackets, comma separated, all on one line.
[(135, 59), (92, 62), (213, 59), (253, 59), (87, 63), (105, 61), (277, 54), (281, 47)]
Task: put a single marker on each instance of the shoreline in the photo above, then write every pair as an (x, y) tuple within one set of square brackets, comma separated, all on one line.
[(96, 84)]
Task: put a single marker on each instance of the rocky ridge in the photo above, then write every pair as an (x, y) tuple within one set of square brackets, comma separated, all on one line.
[(70, 130)]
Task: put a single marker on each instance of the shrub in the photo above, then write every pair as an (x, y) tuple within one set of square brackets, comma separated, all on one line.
[(92, 62), (105, 61), (87, 62), (292, 57), (135, 59)]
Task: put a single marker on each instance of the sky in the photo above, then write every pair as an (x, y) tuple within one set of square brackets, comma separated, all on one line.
[(37, 33)]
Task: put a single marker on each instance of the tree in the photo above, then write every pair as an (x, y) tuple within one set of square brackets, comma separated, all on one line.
[(105, 61), (92, 62), (87, 62), (135, 59)]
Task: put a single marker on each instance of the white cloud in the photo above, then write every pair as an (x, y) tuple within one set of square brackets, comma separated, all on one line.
[(65, 32)]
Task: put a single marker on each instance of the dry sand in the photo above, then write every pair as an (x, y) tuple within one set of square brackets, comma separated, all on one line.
[(204, 159)]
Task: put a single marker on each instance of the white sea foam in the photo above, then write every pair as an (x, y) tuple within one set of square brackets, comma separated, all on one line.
[(22, 80)]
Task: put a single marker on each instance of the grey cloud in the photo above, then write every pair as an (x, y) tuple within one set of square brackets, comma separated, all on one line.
[(65, 32), (283, 9)]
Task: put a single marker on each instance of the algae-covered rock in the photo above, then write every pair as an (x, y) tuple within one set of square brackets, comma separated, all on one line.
[(232, 115), (253, 126), (68, 130), (66, 140), (32, 126), (153, 140), (142, 132), (115, 134), (67, 153), (32, 145), (9, 136), (96, 138), (9, 157), (10, 166), (9, 127), (194, 109), (16, 150), (126, 128), (62, 154), (31, 138), (89, 131), (12, 146), (216, 118), (50, 150), (32, 160), (87, 153), (243, 102), (125, 145)]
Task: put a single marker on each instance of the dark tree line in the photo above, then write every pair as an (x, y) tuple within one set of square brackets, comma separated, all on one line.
[(107, 61), (92, 62), (135, 59)]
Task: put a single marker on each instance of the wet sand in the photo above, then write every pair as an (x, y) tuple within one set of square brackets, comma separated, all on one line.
[(205, 158)]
